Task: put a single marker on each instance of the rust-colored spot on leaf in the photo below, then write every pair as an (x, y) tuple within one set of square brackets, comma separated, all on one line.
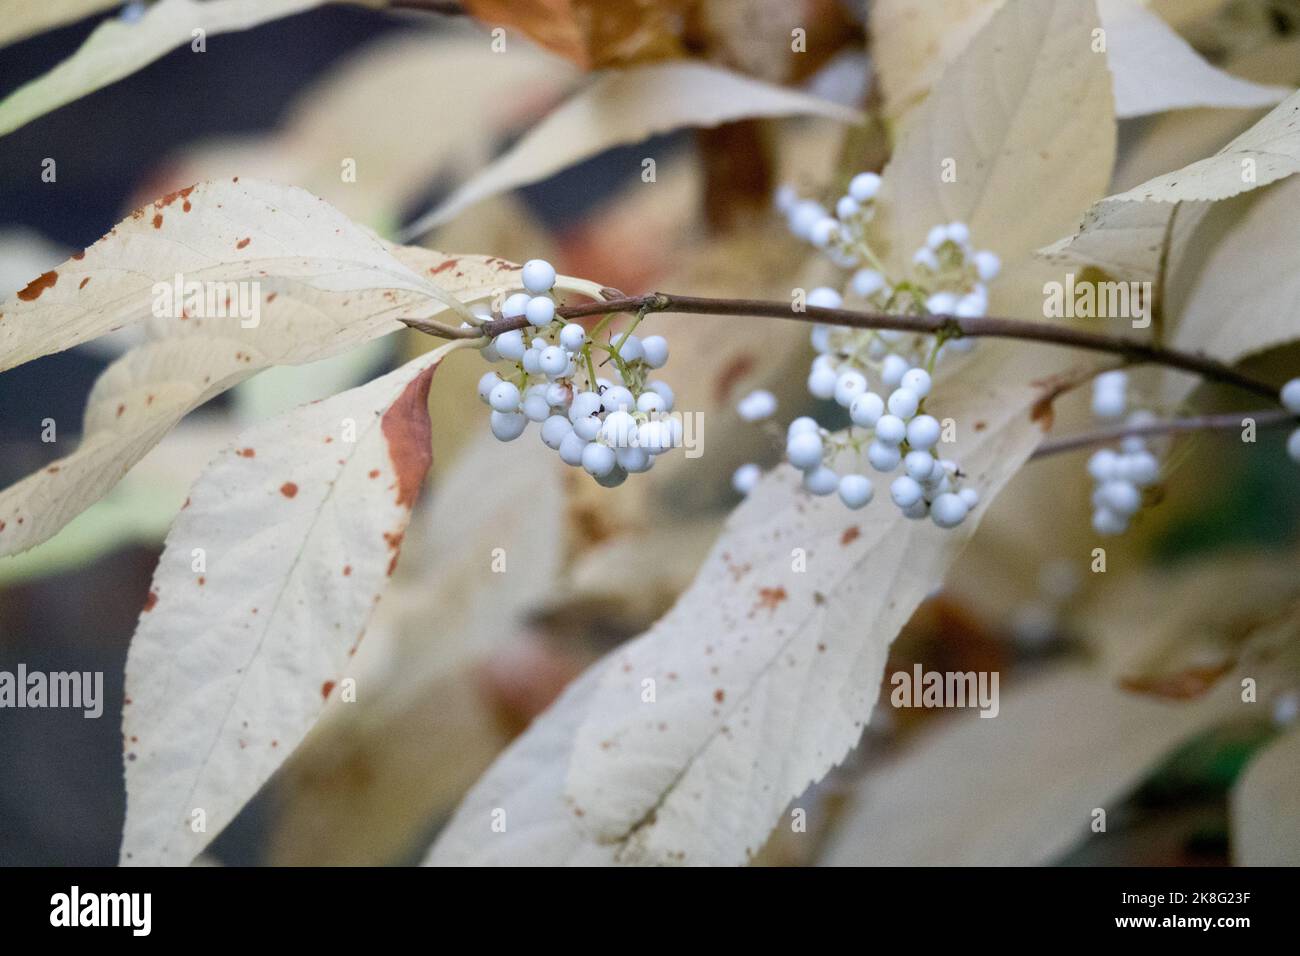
[(719, 695), (246, 453), (288, 489), (449, 264), (407, 431), (150, 602), (78, 256), (243, 242), (33, 289), (325, 689), (157, 220), (120, 410), (347, 570), (769, 598), (84, 282), (171, 197), (851, 534), (374, 473), (733, 372), (1043, 413), (1184, 685)]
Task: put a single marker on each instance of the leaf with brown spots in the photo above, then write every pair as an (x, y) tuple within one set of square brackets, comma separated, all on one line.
[(340, 288), (276, 528)]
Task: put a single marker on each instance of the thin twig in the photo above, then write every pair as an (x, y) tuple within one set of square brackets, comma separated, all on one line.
[(1264, 418), (1133, 351)]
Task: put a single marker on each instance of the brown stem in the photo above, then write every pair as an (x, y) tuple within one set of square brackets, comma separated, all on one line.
[(1132, 350), (1264, 418)]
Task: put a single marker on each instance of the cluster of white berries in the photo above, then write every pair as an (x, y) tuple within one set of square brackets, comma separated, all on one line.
[(609, 428), (1291, 402), (948, 277), (1119, 476)]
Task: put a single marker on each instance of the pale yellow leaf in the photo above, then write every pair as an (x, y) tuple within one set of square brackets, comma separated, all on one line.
[(1018, 789), (22, 20), (1265, 805), (358, 117), (262, 594), (1231, 307), (1124, 233), (430, 732), (321, 285), (628, 106), (119, 48), (1023, 115)]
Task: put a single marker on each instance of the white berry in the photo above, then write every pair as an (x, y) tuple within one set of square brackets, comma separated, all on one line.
[(516, 305), (903, 402), (893, 369), (554, 430), (867, 409), (554, 361), (867, 282), (821, 481), (663, 390), (616, 399), (864, 186), (883, 457), (633, 459), (919, 464), (619, 429), (1108, 403), (1106, 522), (504, 397), (824, 297), (890, 430), (918, 380), (746, 477), (540, 311), (654, 350), (1291, 396), (571, 448), (573, 336), (948, 510), (923, 432), (510, 345), (489, 381), (587, 428), (535, 407), (849, 384), (598, 460), (538, 276), (905, 491), (804, 449), (855, 490), (756, 405), (507, 426), (988, 265)]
